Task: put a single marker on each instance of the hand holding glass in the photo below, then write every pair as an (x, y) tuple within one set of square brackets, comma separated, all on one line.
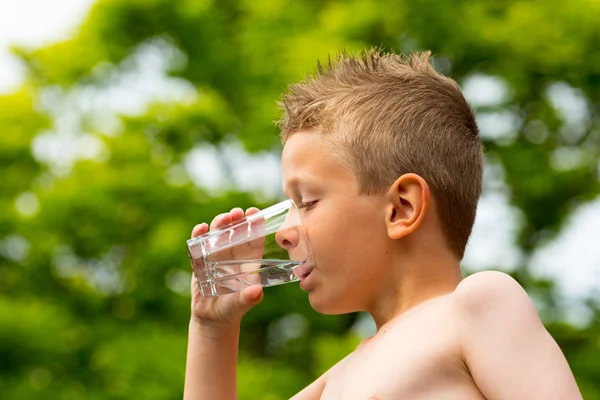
[(261, 249)]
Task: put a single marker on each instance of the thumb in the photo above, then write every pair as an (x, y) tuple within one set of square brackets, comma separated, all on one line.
[(249, 297)]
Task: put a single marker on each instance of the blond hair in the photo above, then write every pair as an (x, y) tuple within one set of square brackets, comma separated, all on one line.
[(388, 115)]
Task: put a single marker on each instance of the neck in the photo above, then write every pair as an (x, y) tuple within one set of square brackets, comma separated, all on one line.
[(413, 284)]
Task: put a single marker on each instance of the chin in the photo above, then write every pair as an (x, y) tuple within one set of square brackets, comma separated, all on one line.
[(330, 305)]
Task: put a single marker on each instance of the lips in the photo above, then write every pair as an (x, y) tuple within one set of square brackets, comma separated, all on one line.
[(302, 271)]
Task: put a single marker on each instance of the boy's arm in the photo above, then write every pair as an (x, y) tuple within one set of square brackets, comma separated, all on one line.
[(211, 367), (210, 371), (505, 346), (214, 331)]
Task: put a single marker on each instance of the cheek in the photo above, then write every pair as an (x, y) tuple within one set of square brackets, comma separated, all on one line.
[(345, 244), (326, 236), (348, 247)]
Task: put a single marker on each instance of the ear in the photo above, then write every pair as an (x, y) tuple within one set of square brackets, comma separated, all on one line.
[(408, 202)]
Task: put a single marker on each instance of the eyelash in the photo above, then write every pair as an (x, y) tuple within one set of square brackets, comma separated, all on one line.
[(307, 206)]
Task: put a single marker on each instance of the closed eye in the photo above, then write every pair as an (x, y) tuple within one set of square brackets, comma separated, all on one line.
[(307, 206)]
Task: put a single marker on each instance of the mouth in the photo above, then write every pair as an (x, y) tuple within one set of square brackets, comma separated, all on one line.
[(302, 271)]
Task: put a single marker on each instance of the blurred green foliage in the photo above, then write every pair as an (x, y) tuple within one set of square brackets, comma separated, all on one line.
[(93, 269)]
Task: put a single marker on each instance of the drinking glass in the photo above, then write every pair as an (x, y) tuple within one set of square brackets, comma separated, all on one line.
[(261, 249)]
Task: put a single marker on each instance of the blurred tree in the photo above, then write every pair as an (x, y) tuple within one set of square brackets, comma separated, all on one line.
[(94, 277)]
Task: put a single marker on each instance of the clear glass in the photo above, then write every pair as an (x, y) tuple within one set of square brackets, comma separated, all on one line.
[(260, 249)]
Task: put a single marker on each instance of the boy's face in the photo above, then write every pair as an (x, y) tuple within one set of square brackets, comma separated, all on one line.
[(347, 231)]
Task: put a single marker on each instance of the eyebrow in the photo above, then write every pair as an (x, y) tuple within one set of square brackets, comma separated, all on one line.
[(293, 184), (295, 181)]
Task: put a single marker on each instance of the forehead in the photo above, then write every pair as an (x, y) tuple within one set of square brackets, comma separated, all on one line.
[(307, 159)]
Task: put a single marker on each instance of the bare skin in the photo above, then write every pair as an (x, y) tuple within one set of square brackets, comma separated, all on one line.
[(462, 345), (438, 336)]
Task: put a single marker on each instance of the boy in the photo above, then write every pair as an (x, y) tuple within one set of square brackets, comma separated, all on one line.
[(382, 154)]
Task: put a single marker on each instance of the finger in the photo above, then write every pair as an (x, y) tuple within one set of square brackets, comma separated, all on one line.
[(221, 239), (257, 234), (251, 296), (200, 229), (238, 237), (240, 232), (252, 210), (236, 213), (257, 226), (254, 278), (244, 300), (220, 220), (254, 246)]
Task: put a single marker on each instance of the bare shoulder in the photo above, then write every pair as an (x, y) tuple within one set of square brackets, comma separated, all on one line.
[(493, 291), (506, 348), (491, 301), (487, 284)]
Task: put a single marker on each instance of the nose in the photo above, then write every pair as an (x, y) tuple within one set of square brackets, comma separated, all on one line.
[(288, 234)]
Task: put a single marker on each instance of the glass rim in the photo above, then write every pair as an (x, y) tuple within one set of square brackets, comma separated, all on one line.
[(287, 203)]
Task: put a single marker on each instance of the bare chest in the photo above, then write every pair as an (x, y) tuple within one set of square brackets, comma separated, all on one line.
[(414, 361)]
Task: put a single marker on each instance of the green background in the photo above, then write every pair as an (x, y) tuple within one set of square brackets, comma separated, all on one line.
[(94, 274)]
